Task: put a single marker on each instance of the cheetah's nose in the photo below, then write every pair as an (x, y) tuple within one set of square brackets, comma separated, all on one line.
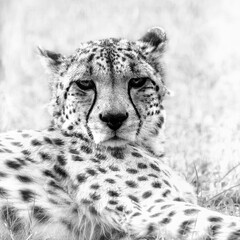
[(114, 121)]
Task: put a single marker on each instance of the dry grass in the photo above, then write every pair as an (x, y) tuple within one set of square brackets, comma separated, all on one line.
[(203, 118)]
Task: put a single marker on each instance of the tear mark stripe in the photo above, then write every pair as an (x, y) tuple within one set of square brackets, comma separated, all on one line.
[(138, 114), (89, 112)]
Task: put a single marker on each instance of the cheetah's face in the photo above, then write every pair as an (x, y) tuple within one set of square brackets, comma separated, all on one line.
[(110, 90)]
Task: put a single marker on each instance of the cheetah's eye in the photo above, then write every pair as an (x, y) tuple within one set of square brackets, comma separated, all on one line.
[(137, 82), (85, 84)]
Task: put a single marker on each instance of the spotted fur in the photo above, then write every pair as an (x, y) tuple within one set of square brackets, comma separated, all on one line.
[(98, 172)]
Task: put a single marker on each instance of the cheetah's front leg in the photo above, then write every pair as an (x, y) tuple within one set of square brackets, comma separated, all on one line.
[(180, 220)]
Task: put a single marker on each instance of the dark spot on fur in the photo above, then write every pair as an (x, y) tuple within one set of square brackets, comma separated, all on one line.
[(131, 184), (166, 182), (81, 178), (61, 160), (119, 208), (21, 161), (185, 227), (110, 180), (28, 159), (155, 215), (147, 194), (48, 140), (132, 67), (13, 164), (152, 175), (51, 129), (26, 152), (74, 151), (142, 178), (24, 178), (132, 170), (17, 144), (114, 168), (136, 214), (133, 198), (235, 235), (166, 206), (45, 156), (166, 193), (113, 193), (95, 160), (215, 219), (160, 122), (94, 196), (93, 210), (79, 135), (48, 173), (91, 172), (94, 186), (77, 158), (27, 195), (156, 184), (172, 213), (190, 211), (214, 230), (25, 135), (90, 70), (86, 149), (7, 150), (36, 142), (113, 202), (70, 127), (86, 201), (150, 209), (60, 171), (155, 167), (3, 193), (68, 224), (40, 214), (100, 156), (53, 201), (117, 153), (129, 55), (166, 220), (102, 170), (58, 141), (3, 175), (54, 184), (90, 58), (136, 154), (178, 199), (142, 165), (150, 229)]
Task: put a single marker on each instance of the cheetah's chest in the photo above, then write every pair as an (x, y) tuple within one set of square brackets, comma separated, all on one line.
[(113, 182)]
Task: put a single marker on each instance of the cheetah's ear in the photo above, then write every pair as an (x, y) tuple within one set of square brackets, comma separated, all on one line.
[(51, 60), (154, 41)]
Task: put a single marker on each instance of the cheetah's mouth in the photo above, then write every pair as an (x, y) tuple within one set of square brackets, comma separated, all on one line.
[(115, 141), (115, 138)]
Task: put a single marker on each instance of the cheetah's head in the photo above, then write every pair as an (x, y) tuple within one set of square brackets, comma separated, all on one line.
[(110, 90)]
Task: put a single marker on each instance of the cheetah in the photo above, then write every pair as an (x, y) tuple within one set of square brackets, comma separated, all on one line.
[(98, 172)]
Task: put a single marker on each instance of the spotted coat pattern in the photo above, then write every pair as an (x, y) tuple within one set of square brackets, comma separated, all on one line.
[(98, 172)]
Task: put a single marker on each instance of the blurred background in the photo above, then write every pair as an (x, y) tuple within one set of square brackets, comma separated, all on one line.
[(202, 64)]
